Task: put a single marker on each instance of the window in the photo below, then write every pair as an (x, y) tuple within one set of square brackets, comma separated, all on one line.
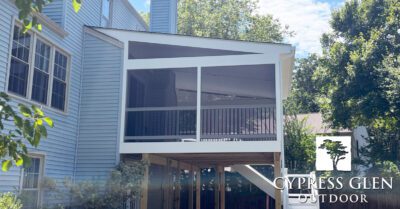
[(39, 74), (31, 178), (105, 13), (19, 68), (59, 81)]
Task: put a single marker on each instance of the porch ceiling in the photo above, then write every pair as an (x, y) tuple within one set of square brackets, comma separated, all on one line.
[(225, 159)]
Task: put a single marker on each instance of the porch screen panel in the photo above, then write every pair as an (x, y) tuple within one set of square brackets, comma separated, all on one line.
[(238, 103), (161, 105)]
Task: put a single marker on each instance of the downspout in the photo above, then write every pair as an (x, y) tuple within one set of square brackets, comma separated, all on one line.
[(79, 105)]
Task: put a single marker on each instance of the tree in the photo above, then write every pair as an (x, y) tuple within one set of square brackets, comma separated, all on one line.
[(299, 145), (29, 8), (146, 17), (336, 150), (18, 130), (234, 19), (305, 88), (359, 86), (360, 72)]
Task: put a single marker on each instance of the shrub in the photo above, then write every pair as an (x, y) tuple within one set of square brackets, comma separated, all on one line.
[(122, 187), (9, 201)]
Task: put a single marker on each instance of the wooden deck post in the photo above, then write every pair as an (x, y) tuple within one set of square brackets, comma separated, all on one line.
[(198, 188), (222, 187), (177, 192), (217, 186), (191, 178), (277, 173), (145, 184), (167, 185)]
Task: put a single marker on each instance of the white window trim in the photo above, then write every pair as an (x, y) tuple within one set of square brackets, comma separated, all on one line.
[(31, 61), (42, 158)]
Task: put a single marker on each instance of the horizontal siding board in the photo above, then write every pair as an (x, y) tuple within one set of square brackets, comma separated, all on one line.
[(99, 118), (55, 11), (123, 18), (102, 65)]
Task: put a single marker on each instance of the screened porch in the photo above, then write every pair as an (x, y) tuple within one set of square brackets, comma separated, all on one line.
[(228, 103)]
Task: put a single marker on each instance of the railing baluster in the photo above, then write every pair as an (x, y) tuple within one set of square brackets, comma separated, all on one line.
[(224, 122), (273, 121)]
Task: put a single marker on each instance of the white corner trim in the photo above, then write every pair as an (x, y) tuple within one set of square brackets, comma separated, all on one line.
[(104, 37), (43, 19)]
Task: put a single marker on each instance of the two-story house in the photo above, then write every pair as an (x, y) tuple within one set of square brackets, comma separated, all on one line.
[(117, 92)]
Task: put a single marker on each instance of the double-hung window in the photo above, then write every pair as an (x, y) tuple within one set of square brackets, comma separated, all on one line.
[(31, 178), (38, 70)]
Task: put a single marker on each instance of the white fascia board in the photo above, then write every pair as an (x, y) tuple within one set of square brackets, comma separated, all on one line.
[(103, 37), (190, 41), (287, 66), (200, 147)]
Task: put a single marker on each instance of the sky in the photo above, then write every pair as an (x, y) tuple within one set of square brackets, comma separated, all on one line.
[(309, 19)]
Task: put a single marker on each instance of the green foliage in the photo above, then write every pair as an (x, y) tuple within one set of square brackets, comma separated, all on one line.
[(146, 17), (234, 19), (387, 169), (29, 127), (335, 149), (124, 183), (305, 88), (299, 145), (9, 201), (28, 9), (360, 64), (359, 73)]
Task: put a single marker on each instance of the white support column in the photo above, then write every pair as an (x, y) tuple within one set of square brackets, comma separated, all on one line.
[(198, 107), (279, 157)]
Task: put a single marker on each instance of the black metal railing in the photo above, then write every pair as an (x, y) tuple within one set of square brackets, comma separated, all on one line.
[(218, 123)]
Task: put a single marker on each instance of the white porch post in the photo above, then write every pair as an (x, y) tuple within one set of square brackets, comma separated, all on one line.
[(198, 107)]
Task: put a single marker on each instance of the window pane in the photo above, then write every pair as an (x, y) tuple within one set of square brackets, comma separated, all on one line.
[(60, 66), (40, 77), (31, 174), (42, 56), (59, 82), (18, 78), (19, 67), (40, 86), (106, 9), (21, 44), (58, 95)]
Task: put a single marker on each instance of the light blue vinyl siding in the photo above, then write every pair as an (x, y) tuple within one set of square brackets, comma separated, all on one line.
[(124, 16), (100, 108), (60, 146), (163, 16), (55, 11)]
